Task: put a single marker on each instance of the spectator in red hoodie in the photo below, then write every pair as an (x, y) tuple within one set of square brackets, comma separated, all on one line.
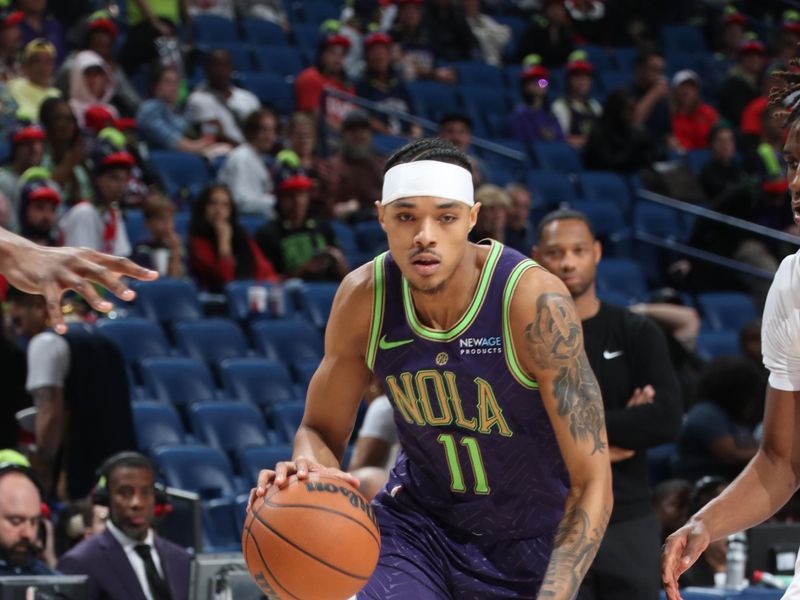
[(220, 250), (692, 119)]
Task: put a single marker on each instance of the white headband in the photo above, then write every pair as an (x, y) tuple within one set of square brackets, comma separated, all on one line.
[(428, 178)]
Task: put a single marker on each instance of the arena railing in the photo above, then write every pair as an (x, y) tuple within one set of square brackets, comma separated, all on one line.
[(702, 212)]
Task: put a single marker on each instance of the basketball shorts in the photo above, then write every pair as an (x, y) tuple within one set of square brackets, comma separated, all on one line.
[(419, 560)]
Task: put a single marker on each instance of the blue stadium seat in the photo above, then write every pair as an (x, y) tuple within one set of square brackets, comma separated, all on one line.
[(263, 32), (211, 340), (156, 424), (287, 418), (252, 460), (210, 29), (557, 156), (659, 463), (229, 426), (697, 159), (433, 99), (624, 58), (387, 144), (682, 38), (260, 381), (195, 468), (726, 310), (484, 100), (239, 52), (271, 89), (135, 227), (5, 151), (613, 80), (659, 220), (304, 370), (711, 344), (221, 531), (371, 237), (288, 340), (678, 61), (168, 300), (316, 299), (606, 186), (480, 74), (499, 126), (600, 58), (177, 380), (608, 223), (623, 276), (306, 36), (182, 219), (285, 61), (345, 236), (184, 175), (315, 11), (549, 189), (136, 338)]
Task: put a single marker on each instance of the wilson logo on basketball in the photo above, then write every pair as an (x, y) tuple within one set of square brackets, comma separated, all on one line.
[(356, 500)]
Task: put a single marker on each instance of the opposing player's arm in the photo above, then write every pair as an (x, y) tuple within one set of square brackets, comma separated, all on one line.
[(766, 484), (549, 338)]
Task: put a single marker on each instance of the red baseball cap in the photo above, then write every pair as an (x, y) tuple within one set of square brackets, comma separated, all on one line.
[(379, 37), (11, 18), (104, 25), (28, 133)]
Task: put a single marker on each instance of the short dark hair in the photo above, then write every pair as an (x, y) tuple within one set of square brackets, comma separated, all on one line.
[(429, 148), (458, 117), (125, 460), (562, 214), (253, 121), (157, 71), (644, 56)]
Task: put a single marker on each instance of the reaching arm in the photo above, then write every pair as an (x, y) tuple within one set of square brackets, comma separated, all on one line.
[(554, 356), (766, 484), (51, 271)]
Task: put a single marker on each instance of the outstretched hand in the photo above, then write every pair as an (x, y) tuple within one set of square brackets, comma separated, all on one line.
[(680, 552), (51, 271)]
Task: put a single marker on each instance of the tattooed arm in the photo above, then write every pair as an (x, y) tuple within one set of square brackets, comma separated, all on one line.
[(549, 342)]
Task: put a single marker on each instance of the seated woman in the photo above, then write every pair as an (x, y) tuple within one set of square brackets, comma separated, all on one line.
[(65, 153), (162, 126), (220, 250)]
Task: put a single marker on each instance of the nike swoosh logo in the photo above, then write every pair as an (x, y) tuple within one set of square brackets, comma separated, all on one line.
[(385, 344), (609, 355)]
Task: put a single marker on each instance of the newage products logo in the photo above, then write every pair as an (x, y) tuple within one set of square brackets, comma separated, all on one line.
[(482, 345)]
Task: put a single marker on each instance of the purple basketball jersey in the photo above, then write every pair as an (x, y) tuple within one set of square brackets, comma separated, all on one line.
[(478, 451)]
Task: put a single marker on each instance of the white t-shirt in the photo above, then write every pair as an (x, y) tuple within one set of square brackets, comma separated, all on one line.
[(204, 105), (780, 330), (83, 225), (48, 361), (246, 175), (780, 345)]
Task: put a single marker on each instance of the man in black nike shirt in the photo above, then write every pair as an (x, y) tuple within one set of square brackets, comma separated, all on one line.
[(628, 354)]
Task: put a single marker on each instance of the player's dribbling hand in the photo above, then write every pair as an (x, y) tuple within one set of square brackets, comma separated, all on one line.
[(680, 552), (302, 467)]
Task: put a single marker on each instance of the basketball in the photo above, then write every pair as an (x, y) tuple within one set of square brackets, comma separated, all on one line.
[(315, 539)]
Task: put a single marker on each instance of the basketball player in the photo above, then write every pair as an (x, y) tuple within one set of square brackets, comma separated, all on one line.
[(773, 475), (51, 271), (503, 486)]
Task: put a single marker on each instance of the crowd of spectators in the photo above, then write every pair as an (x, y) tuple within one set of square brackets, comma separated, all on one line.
[(86, 99)]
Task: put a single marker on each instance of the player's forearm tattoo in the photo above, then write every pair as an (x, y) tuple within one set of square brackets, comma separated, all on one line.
[(574, 548), (555, 341)]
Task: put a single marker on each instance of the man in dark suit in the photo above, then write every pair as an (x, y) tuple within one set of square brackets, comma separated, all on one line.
[(128, 561)]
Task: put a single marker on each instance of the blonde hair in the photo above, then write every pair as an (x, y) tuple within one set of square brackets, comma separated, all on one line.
[(490, 195)]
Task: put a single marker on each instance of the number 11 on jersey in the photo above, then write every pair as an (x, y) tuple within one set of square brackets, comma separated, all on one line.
[(456, 475)]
